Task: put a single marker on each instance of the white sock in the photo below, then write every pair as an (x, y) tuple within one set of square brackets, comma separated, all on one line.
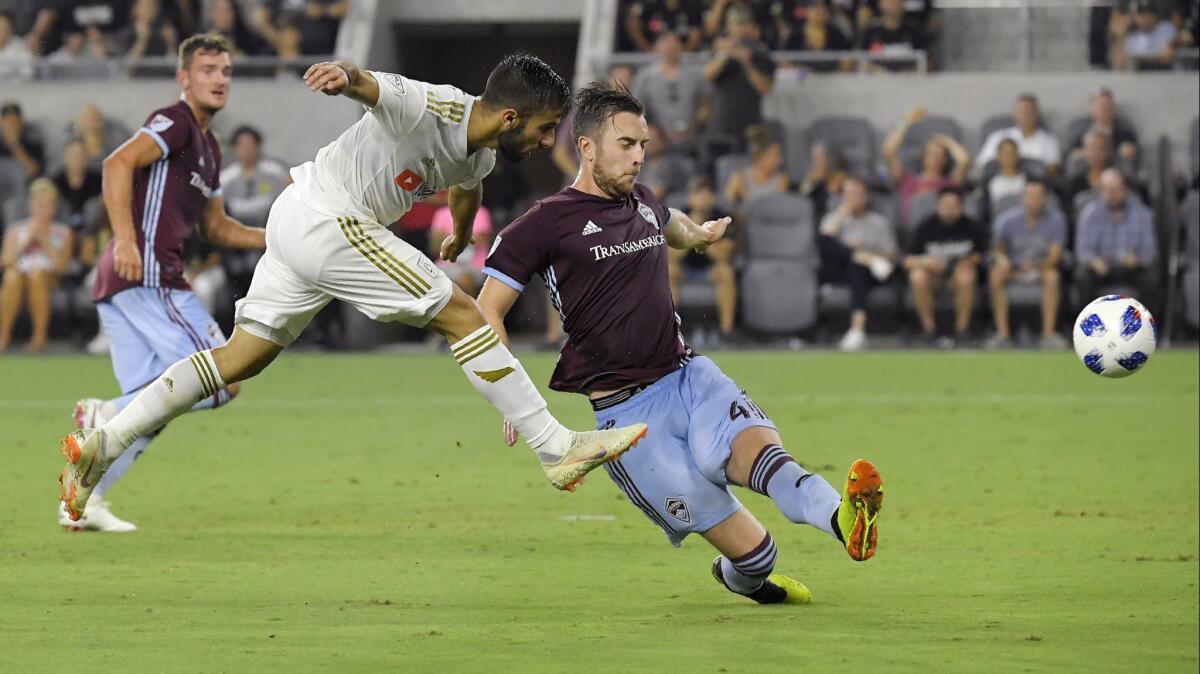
[(495, 373), (117, 469), (178, 389)]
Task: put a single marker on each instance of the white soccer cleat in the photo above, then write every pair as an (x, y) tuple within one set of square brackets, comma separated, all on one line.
[(84, 451), (588, 449), (89, 413), (96, 517)]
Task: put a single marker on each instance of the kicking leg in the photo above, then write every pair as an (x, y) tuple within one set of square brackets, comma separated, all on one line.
[(758, 461), (180, 387), (498, 376), (747, 559)]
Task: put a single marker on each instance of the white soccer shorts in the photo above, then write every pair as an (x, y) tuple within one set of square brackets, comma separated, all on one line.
[(315, 254)]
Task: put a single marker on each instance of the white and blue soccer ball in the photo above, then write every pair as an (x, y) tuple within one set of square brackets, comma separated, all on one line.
[(1115, 335)]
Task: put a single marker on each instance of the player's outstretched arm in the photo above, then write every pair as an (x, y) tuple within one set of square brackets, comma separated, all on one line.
[(219, 229), (684, 234), (334, 78), (117, 190)]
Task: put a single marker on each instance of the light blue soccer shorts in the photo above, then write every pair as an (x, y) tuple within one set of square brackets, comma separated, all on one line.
[(150, 329), (676, 475)]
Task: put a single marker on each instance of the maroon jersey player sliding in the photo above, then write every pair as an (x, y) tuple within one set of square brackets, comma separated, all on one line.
[(600, 245)]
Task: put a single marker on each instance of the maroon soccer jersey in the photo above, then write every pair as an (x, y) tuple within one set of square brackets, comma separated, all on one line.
[(169, 197), (605, 264)]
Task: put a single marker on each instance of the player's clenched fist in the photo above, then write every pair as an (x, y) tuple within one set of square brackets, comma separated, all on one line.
[(327, 77), (127, 260), (453, 246)]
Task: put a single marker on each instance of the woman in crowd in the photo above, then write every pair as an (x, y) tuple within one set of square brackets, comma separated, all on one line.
[(34, 254), (825, 177), (944, 162), (765, 174)]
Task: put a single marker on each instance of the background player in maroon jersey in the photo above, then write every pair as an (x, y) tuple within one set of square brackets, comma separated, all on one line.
[(159, 187), (600, 245)]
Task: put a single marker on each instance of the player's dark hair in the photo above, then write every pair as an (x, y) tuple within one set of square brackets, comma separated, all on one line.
[(599, 102), (951, 189), (246, 129), (526, 84), (204, 42)]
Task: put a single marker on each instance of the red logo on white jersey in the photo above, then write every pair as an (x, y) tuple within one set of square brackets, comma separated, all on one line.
[(409, 180)]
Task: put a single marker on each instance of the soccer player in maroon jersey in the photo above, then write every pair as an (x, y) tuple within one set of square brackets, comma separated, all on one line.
[(600, 246), (159, 187)]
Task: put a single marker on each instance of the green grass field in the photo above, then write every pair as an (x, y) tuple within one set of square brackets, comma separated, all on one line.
[(360, 513)]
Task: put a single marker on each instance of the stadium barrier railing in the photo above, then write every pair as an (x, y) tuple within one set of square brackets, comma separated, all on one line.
[(917, 59)]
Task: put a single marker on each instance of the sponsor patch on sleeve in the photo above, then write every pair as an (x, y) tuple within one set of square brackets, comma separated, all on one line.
[(160, 123)]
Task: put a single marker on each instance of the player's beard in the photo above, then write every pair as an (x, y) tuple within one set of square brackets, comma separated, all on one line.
[(510, 144), (610, 185)]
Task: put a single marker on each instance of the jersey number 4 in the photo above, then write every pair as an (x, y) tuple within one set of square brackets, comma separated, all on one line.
[(409, 181)]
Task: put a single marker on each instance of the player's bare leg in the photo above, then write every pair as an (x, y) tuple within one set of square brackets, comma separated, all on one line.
[(759, 462), (747, 558), (566, 456), (89, 453)]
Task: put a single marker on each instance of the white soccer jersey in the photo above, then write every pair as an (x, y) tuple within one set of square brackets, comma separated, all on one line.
[(412, 144)]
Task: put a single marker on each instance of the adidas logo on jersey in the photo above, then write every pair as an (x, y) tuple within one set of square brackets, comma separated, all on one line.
[(591, 228)]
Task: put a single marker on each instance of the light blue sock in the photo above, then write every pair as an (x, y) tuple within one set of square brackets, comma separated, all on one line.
[(803, 497)]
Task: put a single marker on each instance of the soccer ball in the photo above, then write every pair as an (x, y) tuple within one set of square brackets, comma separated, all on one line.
[(1115, 336)]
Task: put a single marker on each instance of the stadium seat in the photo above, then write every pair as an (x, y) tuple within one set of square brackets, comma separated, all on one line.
[(723, 171), (854, 137), (1190, 212), (922, 206), (12, 179), (992, 124), (780, 226), (920, 133), (779, 296)]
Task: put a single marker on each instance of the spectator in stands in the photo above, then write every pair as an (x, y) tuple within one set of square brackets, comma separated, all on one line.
[(674, 94), (252, 182), (467, 271), (662, 172), (764, 175), (316, 21), (78, 183), (944, 162), (1104, 119), (1117, 244), (858, 247), (741, 72), (250, 185), (761, 12), (893, 32), (1008, 180), (1033, 142), (1141, 38), (16, 62), (1028, 246), (819, 34), (34, 254), (947, 247), (715, 263), (1097, 157), (649, 20), (150, 32), (225, 18), (99, 135), (286, 39), (84, 54), (19, 142), (51, 22), (826, 174)]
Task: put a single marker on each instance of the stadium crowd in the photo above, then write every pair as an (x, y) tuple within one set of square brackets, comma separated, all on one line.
[(913, 232)]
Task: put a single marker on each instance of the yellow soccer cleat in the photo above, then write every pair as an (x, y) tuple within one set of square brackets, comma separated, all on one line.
[(862, 499), (776, 589), (588, 450)]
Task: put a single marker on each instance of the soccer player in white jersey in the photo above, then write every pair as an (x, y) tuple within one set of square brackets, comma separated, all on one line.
[(327, 238)]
